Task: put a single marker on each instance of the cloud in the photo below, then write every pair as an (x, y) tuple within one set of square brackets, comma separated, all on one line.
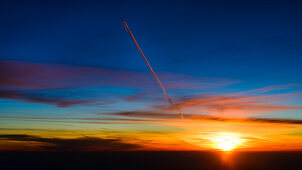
[(30, 75), (113, 120), (271, 120), (136, 97), (49, 83), (33, 75), (74, 144), (271, 88), (138, 117), (232, 105), (183, 81), (44, 98), (189, 117), (238, 104), (146, 114)]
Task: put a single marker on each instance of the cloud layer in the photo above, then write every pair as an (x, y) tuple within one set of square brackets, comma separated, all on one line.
[(234, 104), (174, 116), (49, 83), (30, 75), (72, 144)]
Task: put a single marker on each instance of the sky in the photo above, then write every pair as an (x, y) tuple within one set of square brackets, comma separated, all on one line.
[(72, 78)]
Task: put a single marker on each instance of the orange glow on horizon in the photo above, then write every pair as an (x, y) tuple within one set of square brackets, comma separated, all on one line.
[(226, 141), (165, 134)]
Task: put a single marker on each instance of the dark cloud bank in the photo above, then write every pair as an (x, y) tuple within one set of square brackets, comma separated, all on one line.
[(74, 144)]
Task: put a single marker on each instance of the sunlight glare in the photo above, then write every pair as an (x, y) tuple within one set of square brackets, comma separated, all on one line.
[(226, 141)]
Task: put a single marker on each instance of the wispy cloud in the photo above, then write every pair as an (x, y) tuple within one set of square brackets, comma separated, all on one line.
[(172, 116), (45, 98), (233, 104), (271, 88), (49, 83), (25, 74)]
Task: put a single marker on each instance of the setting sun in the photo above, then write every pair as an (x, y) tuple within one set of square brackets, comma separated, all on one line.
[(226, 141)]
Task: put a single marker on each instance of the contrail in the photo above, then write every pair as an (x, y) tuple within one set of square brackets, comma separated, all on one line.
[(159, 82)]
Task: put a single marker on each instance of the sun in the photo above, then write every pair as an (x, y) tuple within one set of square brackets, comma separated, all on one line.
[(226, 141)]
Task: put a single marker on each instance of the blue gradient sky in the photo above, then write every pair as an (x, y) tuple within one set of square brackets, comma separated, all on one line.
[(211, 47)]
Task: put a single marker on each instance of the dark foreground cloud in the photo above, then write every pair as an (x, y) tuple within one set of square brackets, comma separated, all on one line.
[(74, 144)]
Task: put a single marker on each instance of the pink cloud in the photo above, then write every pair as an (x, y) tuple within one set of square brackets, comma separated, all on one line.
[(233, 105), (32, 82), (33, 75)]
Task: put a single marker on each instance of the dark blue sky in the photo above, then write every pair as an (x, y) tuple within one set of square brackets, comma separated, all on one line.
[(258, 43)]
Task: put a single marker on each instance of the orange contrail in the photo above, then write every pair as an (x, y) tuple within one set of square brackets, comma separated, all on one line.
[(159, 82)]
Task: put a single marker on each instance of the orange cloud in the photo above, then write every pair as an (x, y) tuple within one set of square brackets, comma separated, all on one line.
[(233, 105)]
